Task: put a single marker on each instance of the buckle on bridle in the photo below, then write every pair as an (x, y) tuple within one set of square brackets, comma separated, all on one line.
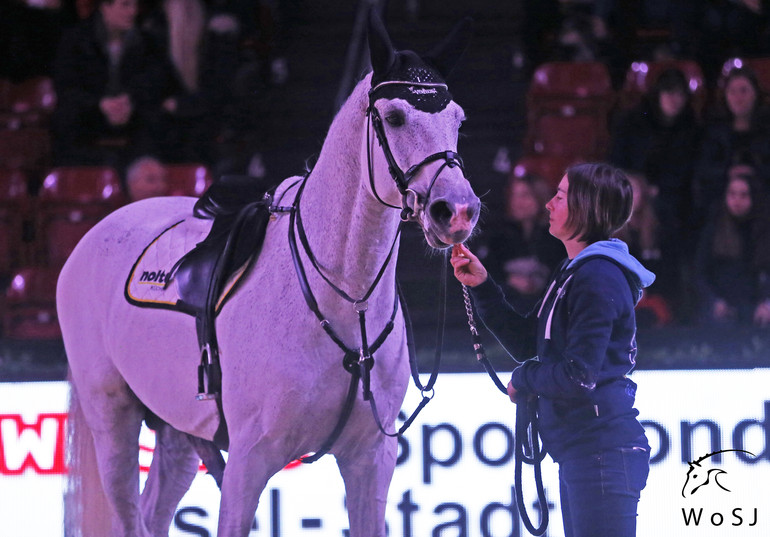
[(409, 199)]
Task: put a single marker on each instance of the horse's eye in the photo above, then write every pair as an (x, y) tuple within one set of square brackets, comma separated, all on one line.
[(395, 119)]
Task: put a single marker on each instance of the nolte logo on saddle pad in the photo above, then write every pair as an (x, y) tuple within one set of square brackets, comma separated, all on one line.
[(700, 477), (155, 277)]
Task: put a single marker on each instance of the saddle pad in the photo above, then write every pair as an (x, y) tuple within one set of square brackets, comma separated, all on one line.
[(150, 283)]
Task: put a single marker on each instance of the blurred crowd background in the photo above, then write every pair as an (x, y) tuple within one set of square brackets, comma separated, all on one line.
[(103, 102)]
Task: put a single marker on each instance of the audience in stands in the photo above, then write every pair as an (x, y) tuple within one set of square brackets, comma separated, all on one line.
[(519, 251), (650, 242), (203, 55), (146, 177), (739, 133), (111, 80), (732, 266), (659, 138)]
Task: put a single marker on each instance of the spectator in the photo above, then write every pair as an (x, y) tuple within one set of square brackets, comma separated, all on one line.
[(204, 58), (146, 177), (521, 252), (732, 262), (110, 82), (644, 236), (739, 133), (659, 139)]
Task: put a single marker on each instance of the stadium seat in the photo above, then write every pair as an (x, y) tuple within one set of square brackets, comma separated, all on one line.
[(29, 103), (28, 149), (549, 167), (579, 137), (188, 179), (70, 202), (577, 86), (14, 212), (30, 305), (641, 76)]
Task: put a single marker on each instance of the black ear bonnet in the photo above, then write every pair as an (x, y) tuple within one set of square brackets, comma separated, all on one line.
[(412, 79)]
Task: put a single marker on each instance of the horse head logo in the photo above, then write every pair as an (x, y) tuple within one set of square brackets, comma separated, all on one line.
[(698, 476)]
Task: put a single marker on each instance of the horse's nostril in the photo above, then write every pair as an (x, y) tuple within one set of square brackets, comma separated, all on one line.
[(440, 212)]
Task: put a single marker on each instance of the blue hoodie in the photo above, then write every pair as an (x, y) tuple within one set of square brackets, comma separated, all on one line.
[(585, 345)]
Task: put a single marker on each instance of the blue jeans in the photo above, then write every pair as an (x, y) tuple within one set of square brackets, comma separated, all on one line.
[(600, 492)]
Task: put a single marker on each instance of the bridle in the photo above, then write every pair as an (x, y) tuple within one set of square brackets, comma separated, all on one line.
[(359, 361), (403, 178)]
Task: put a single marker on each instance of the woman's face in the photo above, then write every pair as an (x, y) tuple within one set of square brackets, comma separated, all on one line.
[(738, 198), (559, 212), (672, 103), (740, 96), (522, 203)]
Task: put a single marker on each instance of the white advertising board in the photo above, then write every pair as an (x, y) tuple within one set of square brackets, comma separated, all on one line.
[(455, 476)]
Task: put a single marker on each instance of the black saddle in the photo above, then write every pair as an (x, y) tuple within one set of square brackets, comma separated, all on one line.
[(240, 208)]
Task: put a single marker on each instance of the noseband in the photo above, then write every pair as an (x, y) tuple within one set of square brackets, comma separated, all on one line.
[(401, 178)]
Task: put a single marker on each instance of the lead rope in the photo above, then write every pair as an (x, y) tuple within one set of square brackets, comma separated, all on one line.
[(526, 439)]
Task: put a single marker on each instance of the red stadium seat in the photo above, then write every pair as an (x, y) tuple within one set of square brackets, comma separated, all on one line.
[(581, 137), (14, 212), (188, 179), (30, 301), (5, 94), (29, 103), (549, 167), (641, 76), (71, 201), (28, 149), (577, 80)]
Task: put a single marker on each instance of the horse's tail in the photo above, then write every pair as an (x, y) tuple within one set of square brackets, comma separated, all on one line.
[(86, 509)]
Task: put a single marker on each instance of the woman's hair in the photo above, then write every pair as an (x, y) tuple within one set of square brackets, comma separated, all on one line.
[(599, 200)]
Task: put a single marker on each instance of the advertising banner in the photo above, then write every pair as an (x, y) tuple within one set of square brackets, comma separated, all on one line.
[(710, 475)]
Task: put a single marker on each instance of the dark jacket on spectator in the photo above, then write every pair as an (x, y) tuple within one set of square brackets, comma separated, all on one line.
[(83, 76)]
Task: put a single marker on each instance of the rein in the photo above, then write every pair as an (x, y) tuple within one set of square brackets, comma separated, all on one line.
[(527, 447)]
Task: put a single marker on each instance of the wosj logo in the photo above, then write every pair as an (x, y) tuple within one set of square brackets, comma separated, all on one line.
[(702, 476)]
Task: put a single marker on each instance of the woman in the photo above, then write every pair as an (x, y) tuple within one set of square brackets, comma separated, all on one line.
[(519, 251), (732, 267), (739, 133), (659, 138), (586, 344)]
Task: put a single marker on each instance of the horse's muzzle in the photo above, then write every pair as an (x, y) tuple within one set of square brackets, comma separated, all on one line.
[(452, 222)]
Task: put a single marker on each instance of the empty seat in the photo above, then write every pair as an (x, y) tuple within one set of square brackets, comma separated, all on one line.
[(188, 179), (14, 212), (30, 309), (641, 76), (549, 167), (577, 85), (580, 137), (30, 103), (71, 200), (28, 149)]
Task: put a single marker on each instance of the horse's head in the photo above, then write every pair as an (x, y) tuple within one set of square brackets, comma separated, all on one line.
[(415, 123)]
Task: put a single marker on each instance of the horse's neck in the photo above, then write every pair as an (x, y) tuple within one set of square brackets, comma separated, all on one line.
[(349, 232)]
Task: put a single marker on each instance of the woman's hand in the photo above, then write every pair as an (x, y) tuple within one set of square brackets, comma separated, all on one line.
[(467, 267)]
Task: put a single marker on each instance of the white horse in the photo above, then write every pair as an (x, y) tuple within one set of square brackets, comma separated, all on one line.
[(283, 386)]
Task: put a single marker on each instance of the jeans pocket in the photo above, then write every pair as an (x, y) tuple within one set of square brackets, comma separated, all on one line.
[(636, 463)]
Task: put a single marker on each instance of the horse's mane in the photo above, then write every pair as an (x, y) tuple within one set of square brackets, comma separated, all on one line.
[(346, 127)]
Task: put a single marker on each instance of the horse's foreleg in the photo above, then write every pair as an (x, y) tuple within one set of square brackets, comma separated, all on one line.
[(367, 478), (246, 474), (173, 468)]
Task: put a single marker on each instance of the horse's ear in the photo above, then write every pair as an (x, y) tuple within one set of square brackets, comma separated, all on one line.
[(445, 55), (380, 47)]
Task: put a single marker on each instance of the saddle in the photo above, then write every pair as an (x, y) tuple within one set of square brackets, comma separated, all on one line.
[(240, 209)]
